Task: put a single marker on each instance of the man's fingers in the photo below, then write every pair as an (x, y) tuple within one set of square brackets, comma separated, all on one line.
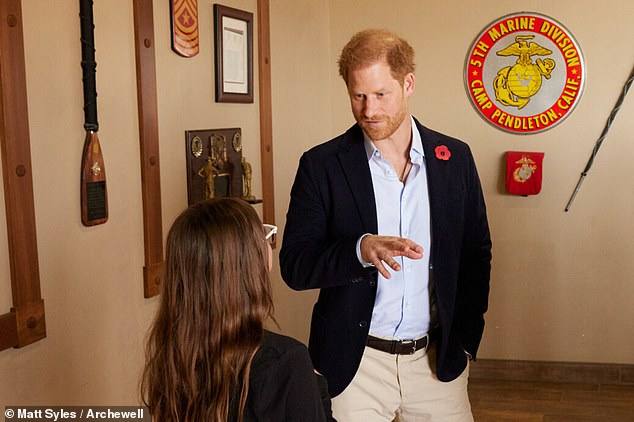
[(416, 253), (382, 249), (417, 248), (392, 263), (407, 252), (382, 270), (410, 249)]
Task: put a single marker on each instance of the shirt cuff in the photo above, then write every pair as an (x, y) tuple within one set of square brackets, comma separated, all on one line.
[(365, 264)]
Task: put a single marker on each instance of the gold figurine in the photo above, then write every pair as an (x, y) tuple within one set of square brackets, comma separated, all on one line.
[(209, 172), (247, 173)]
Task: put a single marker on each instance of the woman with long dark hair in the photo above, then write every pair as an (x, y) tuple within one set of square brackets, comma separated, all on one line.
[(208, 355)]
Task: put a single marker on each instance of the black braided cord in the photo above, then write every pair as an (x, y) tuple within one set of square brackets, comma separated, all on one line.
[(599, 142)]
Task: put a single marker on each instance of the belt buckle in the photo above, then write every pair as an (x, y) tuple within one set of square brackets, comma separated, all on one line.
[(413, 345), (415, 342)]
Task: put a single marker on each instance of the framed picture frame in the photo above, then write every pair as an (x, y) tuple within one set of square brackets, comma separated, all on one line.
[(233, 30)]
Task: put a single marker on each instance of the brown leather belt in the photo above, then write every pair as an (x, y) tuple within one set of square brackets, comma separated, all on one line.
[(400, 347)]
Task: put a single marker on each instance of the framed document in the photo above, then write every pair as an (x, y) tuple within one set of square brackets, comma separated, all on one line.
[(233, 31)]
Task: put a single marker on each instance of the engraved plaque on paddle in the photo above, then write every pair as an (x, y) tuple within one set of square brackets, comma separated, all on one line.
[(94, 194)]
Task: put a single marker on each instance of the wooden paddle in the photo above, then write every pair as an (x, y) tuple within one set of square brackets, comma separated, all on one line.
[(94, 194)]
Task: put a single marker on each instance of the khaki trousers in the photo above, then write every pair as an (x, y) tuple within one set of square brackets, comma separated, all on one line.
[(402, 388)]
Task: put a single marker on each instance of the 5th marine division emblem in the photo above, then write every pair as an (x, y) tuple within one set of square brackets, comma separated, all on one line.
[(524, 73)]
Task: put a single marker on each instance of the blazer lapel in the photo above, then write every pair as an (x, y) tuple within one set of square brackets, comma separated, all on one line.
[(436, 183), (356, 170)]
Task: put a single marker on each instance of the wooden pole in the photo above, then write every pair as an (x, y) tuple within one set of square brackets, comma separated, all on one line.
[(25, 323)]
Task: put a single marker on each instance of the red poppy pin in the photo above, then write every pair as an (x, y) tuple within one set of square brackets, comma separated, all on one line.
[(442, 152)]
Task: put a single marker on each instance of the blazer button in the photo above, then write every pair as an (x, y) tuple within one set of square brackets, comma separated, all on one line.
[(363, 324), (372, 283)]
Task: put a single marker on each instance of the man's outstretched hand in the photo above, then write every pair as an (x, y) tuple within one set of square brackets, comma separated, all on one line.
[(380, 250)]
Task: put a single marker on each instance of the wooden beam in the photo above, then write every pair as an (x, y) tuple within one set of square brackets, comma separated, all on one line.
[(266, 116), (149, 139), (25, 323)]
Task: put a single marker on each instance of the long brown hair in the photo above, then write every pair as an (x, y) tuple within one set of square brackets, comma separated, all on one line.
[(216, 296)]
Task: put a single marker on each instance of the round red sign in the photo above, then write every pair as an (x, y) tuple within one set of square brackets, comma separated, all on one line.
[(525, 73)]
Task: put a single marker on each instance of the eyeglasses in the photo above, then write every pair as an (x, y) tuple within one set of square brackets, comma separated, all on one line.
[(270, 232)]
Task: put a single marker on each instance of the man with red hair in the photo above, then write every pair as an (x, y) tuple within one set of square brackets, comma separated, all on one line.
[(388, 220)]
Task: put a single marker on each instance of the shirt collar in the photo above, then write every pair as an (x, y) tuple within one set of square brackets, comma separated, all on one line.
[(415, 151)]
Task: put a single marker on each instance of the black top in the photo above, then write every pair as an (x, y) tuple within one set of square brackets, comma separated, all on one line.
[(283, 386)]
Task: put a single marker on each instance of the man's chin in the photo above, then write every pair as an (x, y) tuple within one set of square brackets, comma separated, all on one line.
[(374, 133)]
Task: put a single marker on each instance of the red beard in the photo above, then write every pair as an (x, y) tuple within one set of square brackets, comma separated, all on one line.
[(385, 130)]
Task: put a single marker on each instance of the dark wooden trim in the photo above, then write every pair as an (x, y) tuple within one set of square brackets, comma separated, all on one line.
[(540, 371), (266, 117), (8, 331), (25, 323), (149, 140)]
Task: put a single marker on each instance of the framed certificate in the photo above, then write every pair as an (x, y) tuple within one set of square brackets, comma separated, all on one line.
[(233, 31)]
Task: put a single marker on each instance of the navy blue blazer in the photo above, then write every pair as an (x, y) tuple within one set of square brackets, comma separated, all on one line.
[(333, 204)]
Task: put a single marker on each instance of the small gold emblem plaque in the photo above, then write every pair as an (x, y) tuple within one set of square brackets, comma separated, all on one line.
[(237, 142), (197, 146), (95, 169)]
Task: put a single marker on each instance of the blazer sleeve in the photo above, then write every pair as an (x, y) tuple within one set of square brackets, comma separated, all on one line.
[(322, 228)]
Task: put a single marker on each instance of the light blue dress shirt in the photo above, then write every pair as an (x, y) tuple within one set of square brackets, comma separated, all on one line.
[(402, 309)]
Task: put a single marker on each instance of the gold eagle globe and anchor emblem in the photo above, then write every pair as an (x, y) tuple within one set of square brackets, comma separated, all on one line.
[(525, 170), (515, 85)]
